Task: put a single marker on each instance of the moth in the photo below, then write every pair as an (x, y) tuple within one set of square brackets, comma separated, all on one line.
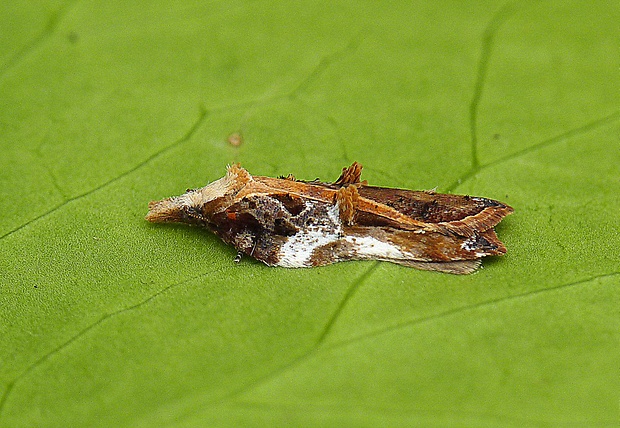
[(295, 223)]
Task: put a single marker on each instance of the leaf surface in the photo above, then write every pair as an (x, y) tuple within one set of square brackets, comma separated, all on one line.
[(107, 320)]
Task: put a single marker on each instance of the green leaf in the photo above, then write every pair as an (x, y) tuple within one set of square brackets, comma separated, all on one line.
[(107, 320)]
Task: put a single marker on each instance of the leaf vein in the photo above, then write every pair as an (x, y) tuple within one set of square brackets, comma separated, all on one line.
[(304, 356), (39, 39), (412, 323), (325, 63), (343, 303), (572, 133), (488, 40), (82, 333), (455, 311), (158, 153)]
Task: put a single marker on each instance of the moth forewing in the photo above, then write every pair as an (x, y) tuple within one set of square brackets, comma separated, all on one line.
[(292, 223)]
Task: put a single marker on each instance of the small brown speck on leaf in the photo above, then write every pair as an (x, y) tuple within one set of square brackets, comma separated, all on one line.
[(235, 139)]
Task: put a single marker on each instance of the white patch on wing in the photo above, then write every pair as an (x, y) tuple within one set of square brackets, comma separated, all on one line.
[(373, 248), (471, 245), (297, 250)]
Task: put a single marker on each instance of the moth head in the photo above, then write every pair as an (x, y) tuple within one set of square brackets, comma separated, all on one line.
[(168, 210), (193, 204)]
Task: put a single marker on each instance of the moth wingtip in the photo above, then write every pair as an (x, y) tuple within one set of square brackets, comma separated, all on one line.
[(162, 212), (153, 216), (153, 211)]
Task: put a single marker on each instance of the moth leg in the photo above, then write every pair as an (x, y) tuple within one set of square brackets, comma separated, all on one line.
[(253, 248), (240, 253)]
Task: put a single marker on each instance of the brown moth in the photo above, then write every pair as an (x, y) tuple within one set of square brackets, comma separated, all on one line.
[(294, 223)]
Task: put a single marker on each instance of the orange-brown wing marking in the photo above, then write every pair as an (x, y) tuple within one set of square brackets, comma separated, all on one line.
[(483, 221), (347, 197), (350, 175), (267, 185)]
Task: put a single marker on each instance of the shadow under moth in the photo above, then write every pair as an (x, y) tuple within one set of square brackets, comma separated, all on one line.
[(295, 223)]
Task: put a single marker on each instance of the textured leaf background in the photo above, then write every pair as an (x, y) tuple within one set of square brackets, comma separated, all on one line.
[(107, 320)]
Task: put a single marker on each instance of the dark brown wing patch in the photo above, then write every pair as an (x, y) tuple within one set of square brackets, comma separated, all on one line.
[(455, 213)]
